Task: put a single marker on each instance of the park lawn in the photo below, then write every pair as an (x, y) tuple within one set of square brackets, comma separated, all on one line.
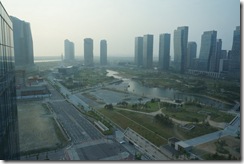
[(192, 112), (199, 130), (122, 119), (184, 114), (152, 107), (217, 115), (149, 122)]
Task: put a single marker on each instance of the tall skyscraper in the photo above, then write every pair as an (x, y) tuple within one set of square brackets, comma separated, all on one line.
[(207, 55), (180, 48), (235, 54), (88, 52), (139, 51), (103, 52), (191, 54), (148, 51), (23, 44), (69, 50), (218, 54), (164, 51), (9, 131)]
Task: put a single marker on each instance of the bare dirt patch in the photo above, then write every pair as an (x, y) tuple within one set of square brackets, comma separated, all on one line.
[(232, 145), (37, 127)]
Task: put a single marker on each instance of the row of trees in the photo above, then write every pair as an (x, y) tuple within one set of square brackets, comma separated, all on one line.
[(165, 120)]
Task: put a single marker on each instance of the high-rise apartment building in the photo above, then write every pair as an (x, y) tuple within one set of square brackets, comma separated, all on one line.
[(23, 44), (164, 51), (180, 48), (148, 51), (9, 131), (88, 52), (235, 54), (191, 54), (103, 52), (207, 55), (218, 54), (69, 50), (139, 51)]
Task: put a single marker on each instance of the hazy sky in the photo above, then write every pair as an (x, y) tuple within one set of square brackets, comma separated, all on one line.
[(120, 21)]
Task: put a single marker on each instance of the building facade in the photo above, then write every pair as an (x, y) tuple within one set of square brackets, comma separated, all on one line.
[(235, 55), (148, 51), (9, 131), (139, 51), (164, 52), (23, 44), (207, 55), (88, 52), (103, 52), (180, 48), (218, 54), (191, 54), (69, 50)]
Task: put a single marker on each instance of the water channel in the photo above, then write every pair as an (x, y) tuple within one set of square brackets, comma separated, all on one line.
[(172, 94)]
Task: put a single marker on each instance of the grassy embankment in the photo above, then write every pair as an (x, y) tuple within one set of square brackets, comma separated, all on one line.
[(152, 130)]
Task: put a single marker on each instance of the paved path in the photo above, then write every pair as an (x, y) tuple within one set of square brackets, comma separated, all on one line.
[(229, 130)]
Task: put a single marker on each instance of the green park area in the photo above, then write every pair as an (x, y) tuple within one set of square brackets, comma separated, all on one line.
[(92, 76), (147, 107), (87, 77), (194, 112), (157, 129), (223, 90)]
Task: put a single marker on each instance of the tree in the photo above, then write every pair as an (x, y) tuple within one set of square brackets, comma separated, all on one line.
[(108, 106), (140, 99)]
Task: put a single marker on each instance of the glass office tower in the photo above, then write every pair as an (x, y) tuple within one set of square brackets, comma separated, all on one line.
[(9, 134), (103, 52), (180, 48)]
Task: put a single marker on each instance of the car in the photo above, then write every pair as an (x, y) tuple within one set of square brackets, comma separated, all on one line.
[(122, 142)]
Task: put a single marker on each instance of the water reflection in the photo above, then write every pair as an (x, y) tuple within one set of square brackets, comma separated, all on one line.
[(166, 93)]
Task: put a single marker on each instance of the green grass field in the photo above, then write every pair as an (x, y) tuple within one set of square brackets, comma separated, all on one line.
[(153, 131)]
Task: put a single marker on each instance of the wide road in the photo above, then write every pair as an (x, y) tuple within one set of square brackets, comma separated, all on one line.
[(78, 128)]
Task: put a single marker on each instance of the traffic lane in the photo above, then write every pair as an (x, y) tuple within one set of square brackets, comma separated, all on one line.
[(72, 119), (75, 132)]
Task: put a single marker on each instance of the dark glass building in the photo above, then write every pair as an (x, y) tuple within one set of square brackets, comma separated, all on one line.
[(235, 55), (23, 44), (148, 51), (180, 48), (139, 51), (207, 55), (9, 132), (191, 54), (164, 52), (88, 52)]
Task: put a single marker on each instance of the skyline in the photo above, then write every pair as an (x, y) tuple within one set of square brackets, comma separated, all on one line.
[(119, 22)]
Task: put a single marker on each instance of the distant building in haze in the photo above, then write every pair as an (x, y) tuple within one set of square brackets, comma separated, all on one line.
[(218, 54), (139, 51), (23, 44), (191, 54), (180, 48), (69, 50), (148, 51), (103, 52), (235, 54), (9, 131), (164, 51), (88, 52), (207, 57)]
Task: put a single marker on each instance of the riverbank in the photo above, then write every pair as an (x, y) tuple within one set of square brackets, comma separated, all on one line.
[(138, 86)]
